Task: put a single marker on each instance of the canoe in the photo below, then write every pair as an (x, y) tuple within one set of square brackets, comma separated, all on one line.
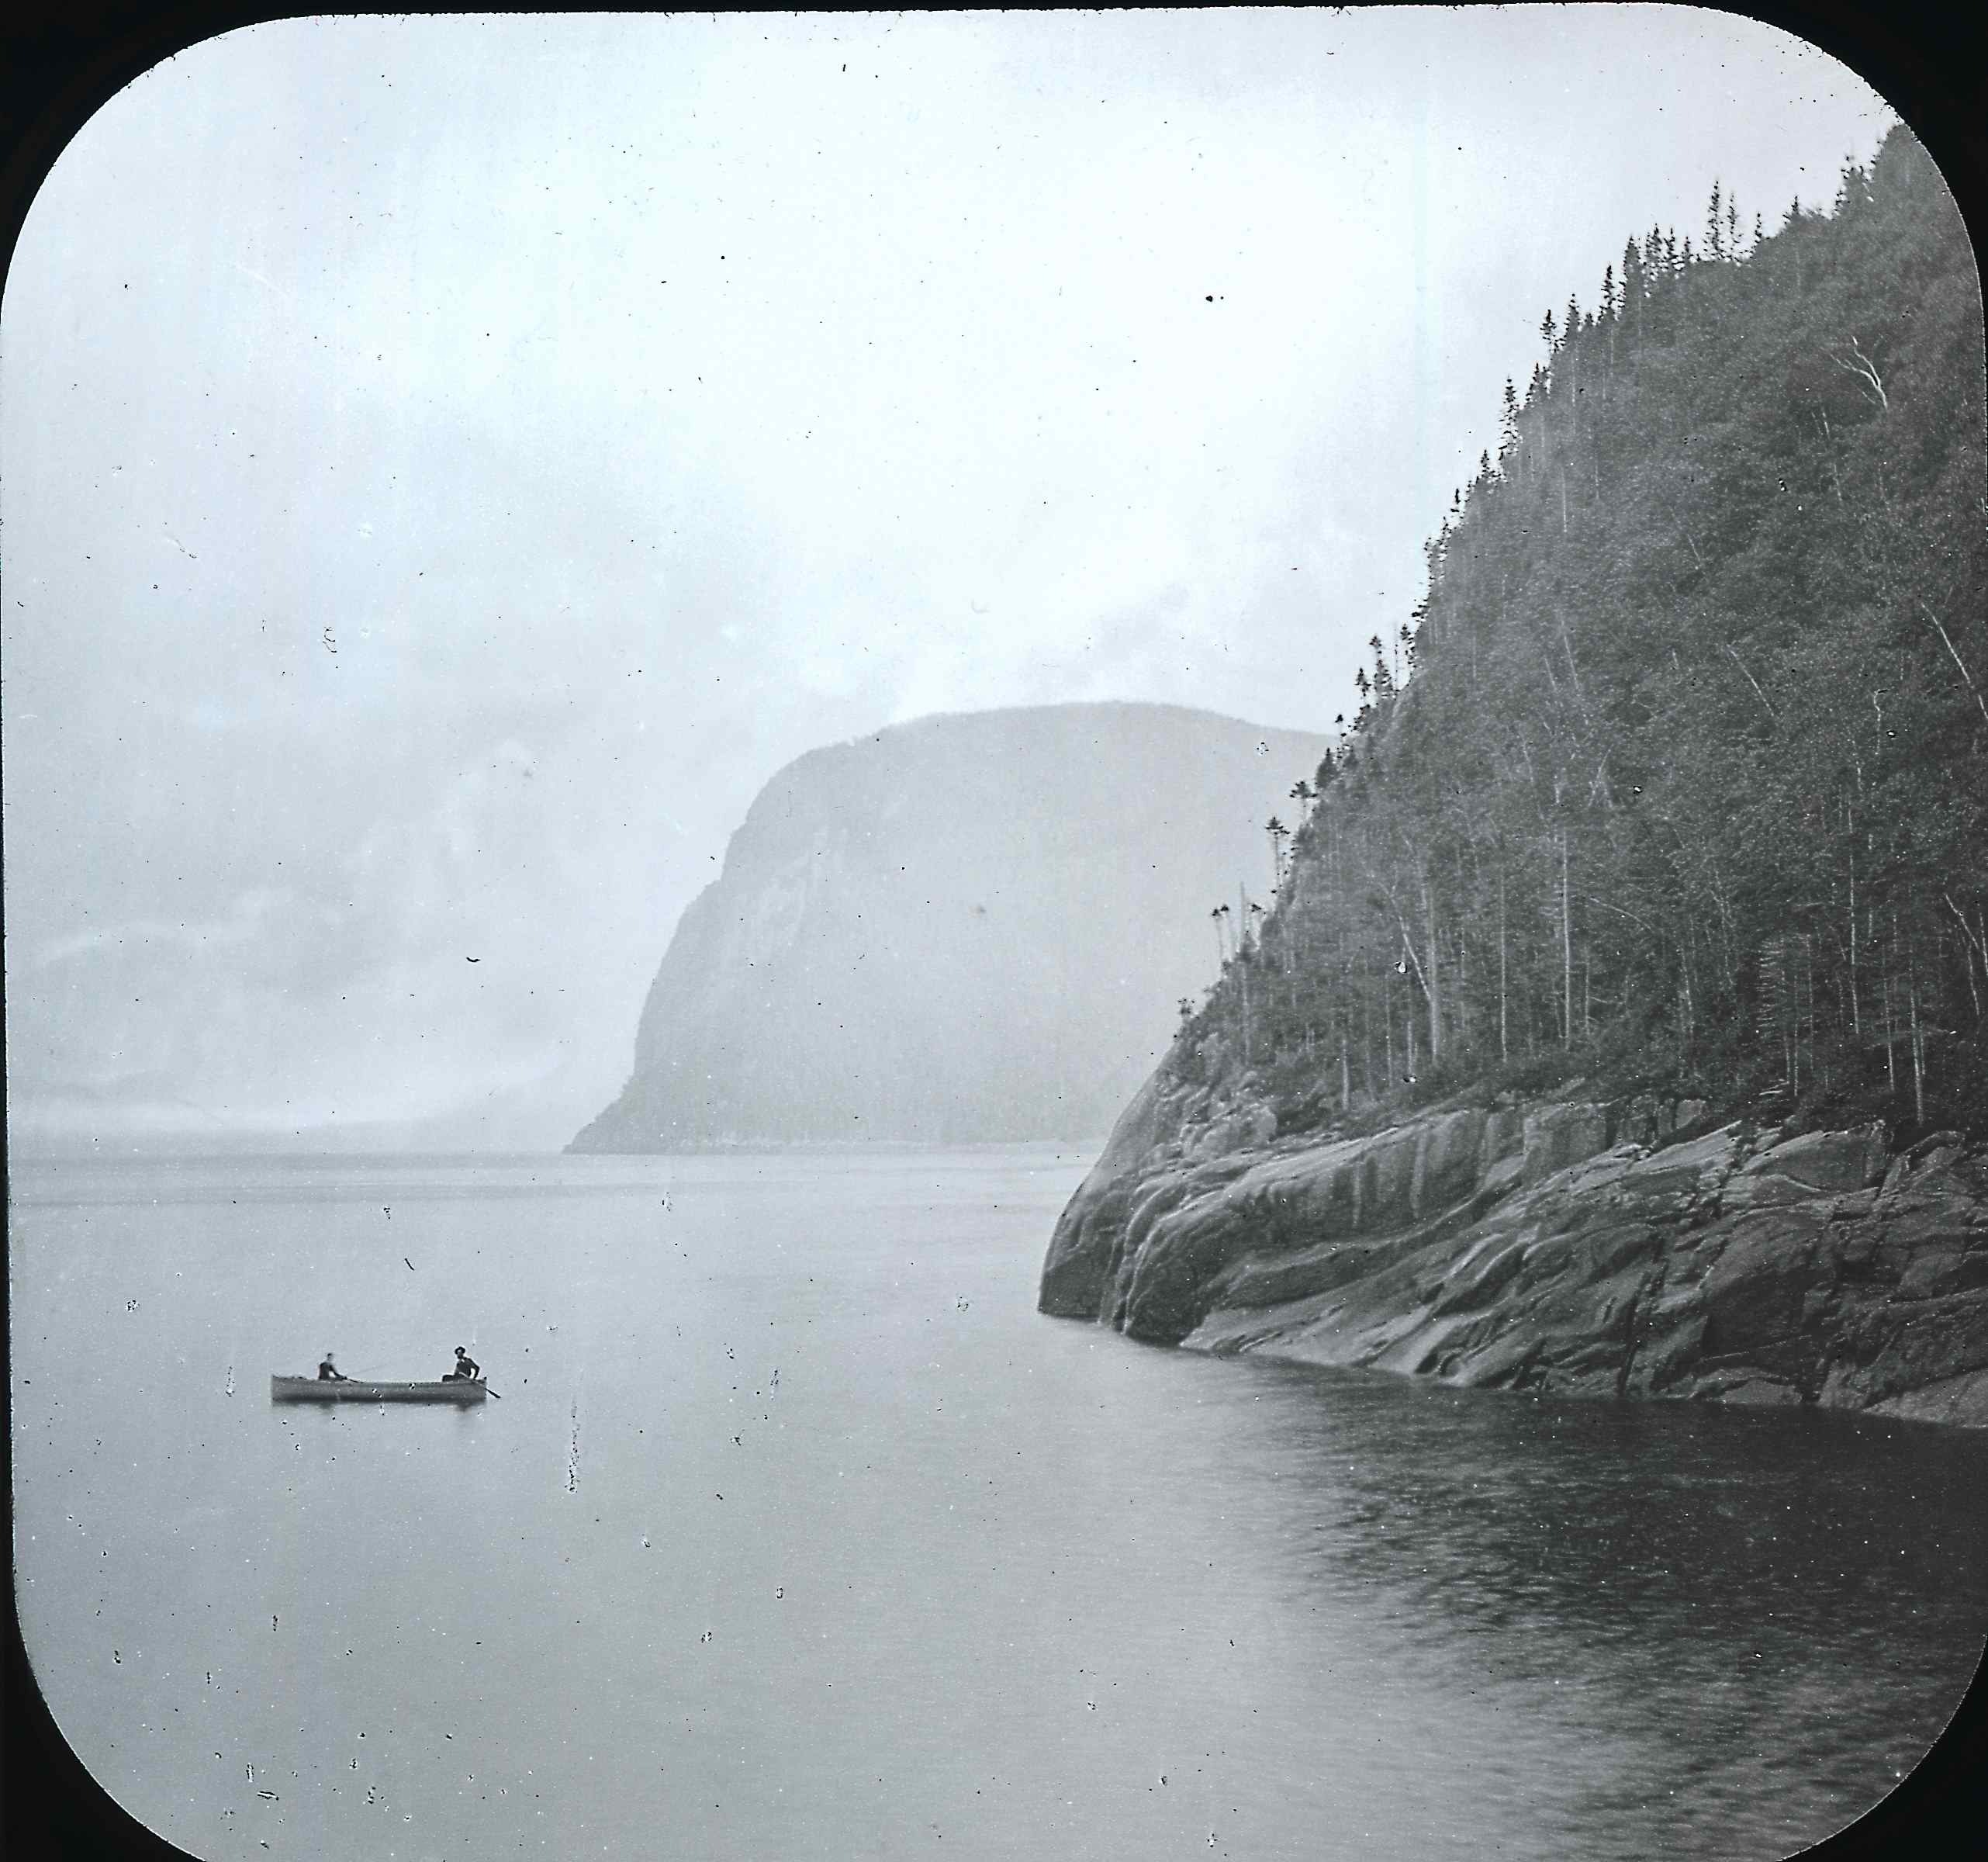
[(359, 1389)]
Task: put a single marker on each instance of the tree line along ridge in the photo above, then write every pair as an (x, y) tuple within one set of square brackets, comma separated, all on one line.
[(1678, 777)]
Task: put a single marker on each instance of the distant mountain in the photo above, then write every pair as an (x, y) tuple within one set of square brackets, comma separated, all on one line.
[(974, 927)]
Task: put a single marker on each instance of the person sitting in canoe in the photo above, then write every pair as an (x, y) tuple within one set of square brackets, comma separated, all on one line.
[(467, 1369), (328, 1373)]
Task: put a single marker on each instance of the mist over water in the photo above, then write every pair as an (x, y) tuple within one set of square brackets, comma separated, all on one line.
[(797, 1532)]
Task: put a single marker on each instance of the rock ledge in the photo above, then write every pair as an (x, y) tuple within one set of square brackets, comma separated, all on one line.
[(1573, 1245)]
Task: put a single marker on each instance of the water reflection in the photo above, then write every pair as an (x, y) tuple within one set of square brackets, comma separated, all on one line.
[(813, 1539), (1766, 1618)]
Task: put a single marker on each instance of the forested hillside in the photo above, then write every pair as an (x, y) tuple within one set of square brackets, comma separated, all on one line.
[(1678, 777)]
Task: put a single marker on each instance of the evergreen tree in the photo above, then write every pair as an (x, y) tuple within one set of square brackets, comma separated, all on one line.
[(1685, 779)]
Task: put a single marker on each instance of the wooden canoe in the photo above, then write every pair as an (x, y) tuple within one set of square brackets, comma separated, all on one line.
[(360, 1390)]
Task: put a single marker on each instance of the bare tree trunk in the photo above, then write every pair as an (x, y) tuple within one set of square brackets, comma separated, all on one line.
[(1856, 1017), (1566, 947), (1431, 983), (1967, 952), (1891, 1063), (1918, 1054), (1464, 987), (1805, 998), (1504, 1043)]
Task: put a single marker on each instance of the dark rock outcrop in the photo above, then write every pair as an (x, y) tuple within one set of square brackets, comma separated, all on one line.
[(967, 928), (1573, 1246)]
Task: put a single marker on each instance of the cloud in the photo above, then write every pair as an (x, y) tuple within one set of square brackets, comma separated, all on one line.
[(440, 498), (244, 923)]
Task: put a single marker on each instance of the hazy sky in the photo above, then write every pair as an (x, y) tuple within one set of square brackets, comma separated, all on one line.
[(447, 465)]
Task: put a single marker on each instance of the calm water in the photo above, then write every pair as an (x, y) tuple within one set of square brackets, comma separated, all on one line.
[(797, 1533)]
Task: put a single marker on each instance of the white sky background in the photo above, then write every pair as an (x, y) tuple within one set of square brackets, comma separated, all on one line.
[(447, 466)]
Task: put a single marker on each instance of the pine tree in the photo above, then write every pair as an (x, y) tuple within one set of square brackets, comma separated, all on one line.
[(1693, 789)]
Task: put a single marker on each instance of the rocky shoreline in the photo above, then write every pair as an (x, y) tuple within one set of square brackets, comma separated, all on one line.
[(1641, 1248)]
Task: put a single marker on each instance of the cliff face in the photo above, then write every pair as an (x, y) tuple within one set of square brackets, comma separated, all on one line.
[(968, 928), (1624, 816), (1630, 1248)]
